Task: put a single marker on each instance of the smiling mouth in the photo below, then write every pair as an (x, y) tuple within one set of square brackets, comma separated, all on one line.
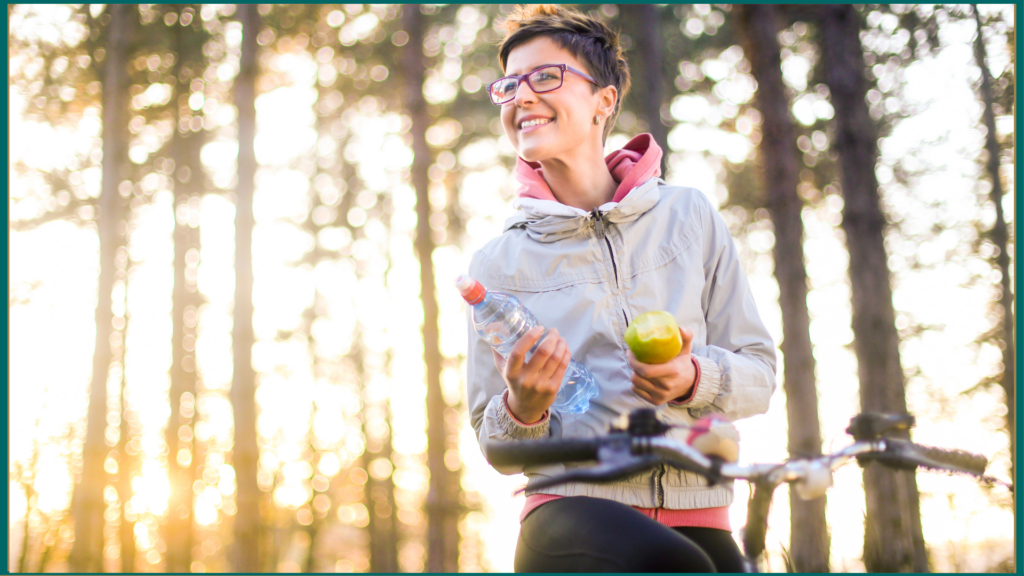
[(535, 122)]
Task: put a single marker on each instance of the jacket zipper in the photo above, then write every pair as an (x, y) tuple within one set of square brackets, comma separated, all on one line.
[(658, 489), (599, 224)]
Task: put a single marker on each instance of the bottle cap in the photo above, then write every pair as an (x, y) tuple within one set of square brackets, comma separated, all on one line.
[(472, 291)]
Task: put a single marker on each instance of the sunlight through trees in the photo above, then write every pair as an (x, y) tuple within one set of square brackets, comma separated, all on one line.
[(233, 230)]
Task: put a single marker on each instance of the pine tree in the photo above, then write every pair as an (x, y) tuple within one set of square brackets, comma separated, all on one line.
[(647, 63), (809, 538), (87, 552), (999, 235), (442, 510), (182, 461), (893, 539), (248, 520)]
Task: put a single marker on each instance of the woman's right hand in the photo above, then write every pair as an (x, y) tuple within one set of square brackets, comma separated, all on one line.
[(533, 385)]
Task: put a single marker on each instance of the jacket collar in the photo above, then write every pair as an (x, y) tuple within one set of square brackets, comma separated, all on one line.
[(550, 220)]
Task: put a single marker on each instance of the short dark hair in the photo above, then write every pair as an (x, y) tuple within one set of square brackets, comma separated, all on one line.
[(589, 40)]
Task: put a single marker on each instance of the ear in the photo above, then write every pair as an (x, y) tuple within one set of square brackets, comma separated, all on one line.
[(606, 99)]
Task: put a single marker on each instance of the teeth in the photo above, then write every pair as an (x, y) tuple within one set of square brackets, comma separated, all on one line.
[(534, 122)]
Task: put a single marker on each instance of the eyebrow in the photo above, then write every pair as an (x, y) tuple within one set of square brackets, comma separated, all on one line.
[(508, 73)]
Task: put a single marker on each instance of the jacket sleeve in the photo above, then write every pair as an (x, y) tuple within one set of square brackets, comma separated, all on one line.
[(737, 366), (487, 408)]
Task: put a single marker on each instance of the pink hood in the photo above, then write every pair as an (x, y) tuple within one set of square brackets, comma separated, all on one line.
[(637, 161)]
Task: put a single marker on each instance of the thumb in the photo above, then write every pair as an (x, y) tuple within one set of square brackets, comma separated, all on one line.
[(687, 336)]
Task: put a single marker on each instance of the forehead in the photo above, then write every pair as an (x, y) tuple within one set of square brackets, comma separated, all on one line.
[(538, 52)]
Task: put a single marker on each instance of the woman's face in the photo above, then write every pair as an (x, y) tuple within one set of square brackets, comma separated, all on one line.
[(565, 115)]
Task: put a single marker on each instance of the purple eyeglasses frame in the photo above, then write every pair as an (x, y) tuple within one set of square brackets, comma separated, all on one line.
[(526, 78)]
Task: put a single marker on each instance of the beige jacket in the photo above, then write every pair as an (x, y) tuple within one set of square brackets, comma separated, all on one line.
[(661, 248)]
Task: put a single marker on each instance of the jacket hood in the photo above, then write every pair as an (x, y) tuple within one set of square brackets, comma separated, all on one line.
[(550, 220), (635, 167), (638, 161)]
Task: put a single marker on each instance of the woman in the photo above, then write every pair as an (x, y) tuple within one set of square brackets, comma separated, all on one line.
[(595, 242)]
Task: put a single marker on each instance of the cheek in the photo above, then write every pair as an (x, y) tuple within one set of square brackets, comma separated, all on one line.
[(506, 123)]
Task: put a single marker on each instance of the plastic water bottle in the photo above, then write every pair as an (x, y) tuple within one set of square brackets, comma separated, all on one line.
[(501, 320)]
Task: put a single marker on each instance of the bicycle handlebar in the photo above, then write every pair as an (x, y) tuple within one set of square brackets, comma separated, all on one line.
[(633, 451), (532, 452), (623, 452)]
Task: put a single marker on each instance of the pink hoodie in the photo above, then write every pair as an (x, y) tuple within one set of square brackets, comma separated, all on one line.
[(634, 164)]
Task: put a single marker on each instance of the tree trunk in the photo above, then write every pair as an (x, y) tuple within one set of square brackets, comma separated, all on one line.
[(87, 551), (316, 524), (893, 541), (380, 496), (243, 386), (26, 475), (1000, 237), (185, 300), (26, 544), (381, 505), (648, 57), (125, 465), (308, 317), (809, 538), (442, 503), (125, 462)]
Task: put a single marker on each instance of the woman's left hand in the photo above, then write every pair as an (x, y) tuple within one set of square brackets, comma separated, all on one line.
[(661, 383)]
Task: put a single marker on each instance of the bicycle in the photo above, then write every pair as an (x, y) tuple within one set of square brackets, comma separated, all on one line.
[(642, 445)]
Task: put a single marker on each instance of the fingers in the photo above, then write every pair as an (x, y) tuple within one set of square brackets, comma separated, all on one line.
[(687, 335), (533, 385), (655, 386), (549, 355), (643, 389), (644, 394), (545, 358), (554, 369), (654, 392), (517, 356), (660, 383), (651, 371)]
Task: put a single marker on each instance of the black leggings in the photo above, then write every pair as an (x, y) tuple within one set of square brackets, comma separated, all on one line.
[(581, 534)]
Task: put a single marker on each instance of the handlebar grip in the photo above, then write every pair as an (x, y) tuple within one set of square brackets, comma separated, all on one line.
[(968, 461), (906, 455), (542, 451)]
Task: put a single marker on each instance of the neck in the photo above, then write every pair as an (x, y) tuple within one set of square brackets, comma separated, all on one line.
[(582, 180)]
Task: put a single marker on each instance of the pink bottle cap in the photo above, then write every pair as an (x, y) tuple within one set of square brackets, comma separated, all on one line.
[(472, 291)]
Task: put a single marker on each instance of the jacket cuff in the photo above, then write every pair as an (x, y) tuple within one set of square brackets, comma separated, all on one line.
[(518, 430), (710, 383)]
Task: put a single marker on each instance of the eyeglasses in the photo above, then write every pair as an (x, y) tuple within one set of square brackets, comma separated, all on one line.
[(543, 79)]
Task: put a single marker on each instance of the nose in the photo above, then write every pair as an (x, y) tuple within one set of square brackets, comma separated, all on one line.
[(525, 93)]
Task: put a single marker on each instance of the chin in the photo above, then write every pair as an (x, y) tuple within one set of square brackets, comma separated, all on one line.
[(530, 155), (533, 152)]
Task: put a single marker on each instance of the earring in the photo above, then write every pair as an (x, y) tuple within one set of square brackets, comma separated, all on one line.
[(597, 120)]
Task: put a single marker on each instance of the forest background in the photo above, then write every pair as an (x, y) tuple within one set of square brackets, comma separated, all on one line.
[(243, 222)]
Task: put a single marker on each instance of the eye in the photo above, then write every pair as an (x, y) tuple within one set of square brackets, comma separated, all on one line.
[(506, 86)]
